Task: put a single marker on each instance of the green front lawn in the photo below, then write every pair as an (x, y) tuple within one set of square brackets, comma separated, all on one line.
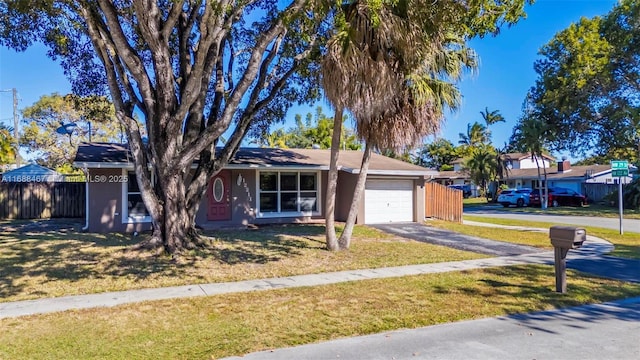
[(236, 324), (626, 245), (589, 210), (51, 264), (597, 210)]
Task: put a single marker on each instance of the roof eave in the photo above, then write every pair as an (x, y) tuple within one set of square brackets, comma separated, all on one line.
[(102, 165), (393, 172)]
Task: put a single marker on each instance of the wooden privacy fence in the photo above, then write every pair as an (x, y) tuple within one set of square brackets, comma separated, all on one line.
[(443, 203), (596, 192), (41, 200)]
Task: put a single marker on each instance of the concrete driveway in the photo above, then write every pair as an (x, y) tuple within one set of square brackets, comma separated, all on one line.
[(630, 225)]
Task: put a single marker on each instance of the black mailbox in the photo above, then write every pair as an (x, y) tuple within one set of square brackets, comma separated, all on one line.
[(567, 237)]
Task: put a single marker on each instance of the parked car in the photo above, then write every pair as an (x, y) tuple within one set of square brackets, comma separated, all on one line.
[(559, 197), (466, 189), (517, 197)]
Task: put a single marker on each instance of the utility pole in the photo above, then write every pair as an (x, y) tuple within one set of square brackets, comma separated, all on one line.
[(16, 134)]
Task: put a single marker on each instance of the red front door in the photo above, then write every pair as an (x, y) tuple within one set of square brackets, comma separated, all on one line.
[(219, 195)]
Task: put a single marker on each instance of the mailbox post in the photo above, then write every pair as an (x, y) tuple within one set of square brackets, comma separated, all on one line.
[(564, 238)]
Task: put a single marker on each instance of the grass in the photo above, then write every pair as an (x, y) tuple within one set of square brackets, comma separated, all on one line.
[(626, 245), (597, 210), (530, 238), (474, 201), (52, 264), (236, 324)]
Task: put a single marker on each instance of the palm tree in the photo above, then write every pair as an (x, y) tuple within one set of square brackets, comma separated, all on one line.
[(391, 74), (501, 171), (534, 133), (476, 135), (481, 166), (491, 117)]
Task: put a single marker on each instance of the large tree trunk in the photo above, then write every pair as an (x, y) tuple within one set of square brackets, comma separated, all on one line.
[(345, 237), (332, 183), (174, 227)]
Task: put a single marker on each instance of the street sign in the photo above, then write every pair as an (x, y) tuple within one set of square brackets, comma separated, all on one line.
[(619, 172), (619, 164), (619, 168)]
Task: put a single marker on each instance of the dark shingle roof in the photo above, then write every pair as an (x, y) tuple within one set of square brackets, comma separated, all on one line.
[(93, 154)]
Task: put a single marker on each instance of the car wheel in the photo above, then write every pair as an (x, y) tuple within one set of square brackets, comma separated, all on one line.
[(554, 203), (520, 203)]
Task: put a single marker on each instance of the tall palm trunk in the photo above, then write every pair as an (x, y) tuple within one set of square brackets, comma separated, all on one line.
[(345, 237), (543, 194), (332, 183), (545, 201)]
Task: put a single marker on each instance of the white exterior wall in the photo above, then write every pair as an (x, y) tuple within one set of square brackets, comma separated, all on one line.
[(606, 178), (528, 163)]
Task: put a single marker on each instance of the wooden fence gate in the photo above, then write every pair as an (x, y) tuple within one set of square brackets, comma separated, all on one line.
[(42, 200), (443, 203)]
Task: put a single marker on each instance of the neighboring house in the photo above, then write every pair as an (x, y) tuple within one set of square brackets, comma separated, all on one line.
[(258, 186), (512, 161), (32, 173), (595, 181), (515, 161), (599, 176), (561, 176)]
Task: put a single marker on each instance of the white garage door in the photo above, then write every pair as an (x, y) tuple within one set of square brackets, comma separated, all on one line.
[(388, 201)]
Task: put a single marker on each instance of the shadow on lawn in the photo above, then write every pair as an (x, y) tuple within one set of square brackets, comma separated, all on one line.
[(266, 243), (536, 284), (70, 256)]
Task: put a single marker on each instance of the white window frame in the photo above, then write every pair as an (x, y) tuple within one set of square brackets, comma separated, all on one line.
[(126, 219), (278, 192)]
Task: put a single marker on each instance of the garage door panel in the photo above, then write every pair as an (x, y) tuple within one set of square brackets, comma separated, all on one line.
[(388, 201)]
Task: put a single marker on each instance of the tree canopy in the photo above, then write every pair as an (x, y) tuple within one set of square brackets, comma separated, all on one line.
[(42, 119), (315, 131), (438, 155), (588, 85), (185, 72), (181, 73), (7, 145)]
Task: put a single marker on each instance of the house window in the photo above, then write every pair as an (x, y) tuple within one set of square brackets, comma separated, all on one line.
[(287, 192), (134, 209)]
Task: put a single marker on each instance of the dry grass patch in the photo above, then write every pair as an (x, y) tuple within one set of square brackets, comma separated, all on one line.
[(530, 238), (51, 264), (626, 245), (235, 324)]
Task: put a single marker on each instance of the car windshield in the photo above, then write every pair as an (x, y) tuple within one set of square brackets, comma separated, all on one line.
[(506, 192), (523, 191)]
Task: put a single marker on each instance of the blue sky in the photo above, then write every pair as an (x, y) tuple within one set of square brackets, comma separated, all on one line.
[(501, 82)]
